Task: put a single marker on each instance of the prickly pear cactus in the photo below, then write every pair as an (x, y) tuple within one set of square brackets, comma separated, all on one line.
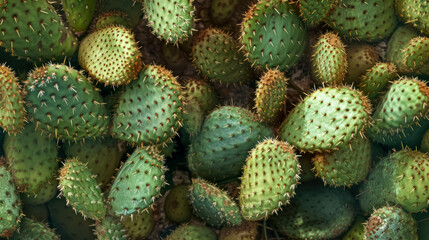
[(213, 205), (110, 228), (272, 35), (64, 104), (150, 109), (30, 229), (314, 12), (360, 58), (170, 20), (269, 179), (81, 190), (327, 119), (79, 14), (357, 231), (138, 182), (33, 30), (246, 231), (377, 79), (222, 10), (177, 207), (112, 18), (111, 56), (416, 55), (397, 42), (414, 13), (139, 226), (12, 111), (192, 232)]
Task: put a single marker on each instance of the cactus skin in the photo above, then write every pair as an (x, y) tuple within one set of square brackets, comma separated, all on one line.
[(424, 144), (213, 205), (404, 106), (111, 56), (377, 79), (261, 194), (133, 9), (102, 156), (138, 182), (192, 232), (12, 111), (347, 166), (391, 222), (360, 58), (246, 231), (32, 160), (139, 226), (329, 61), (314, 12), (370, 21), (309, 126), (397, 42), (170, 20), (44, 195), (316, 212), (79, 14), (112, 18), (222, 10), (272, 35), (63, 103), (37, 35), (416, 55), (397, 179), (414, 13), (150, 109), (219, 151), (176, 206), (216, 56), (271, 96), (110, 228), (79, 187), (30, 229), (357, 231), (10, 208)]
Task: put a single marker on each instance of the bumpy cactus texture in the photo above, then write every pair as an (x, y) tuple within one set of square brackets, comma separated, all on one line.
[(10, 208), (192, 232), (30, 229)]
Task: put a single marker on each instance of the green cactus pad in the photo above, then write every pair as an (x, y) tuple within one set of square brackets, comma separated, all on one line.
[(32, 159), (390, 223), (364, 20), (79, 14), (110, 228), (64, 104), (192, 232), (111, 55), (222, 10), (44, 195), (112, 18), (314, 12), (170, 20), (397, 42), (139, 226), (360, 58), (150, 109), (414, 13), (269, 179), (347, 166), (33, 30), (138, 182), (133, 9), (329, 62), (416, 55), (316, 212), (220, 149), (377, 79), (272, 35), (30, 229), (424, 145), (79, 187), (357, 231), (12, 111), (327, 119), (271, 96), (176, 206), (213, 205), (246, 231), (10, 207)]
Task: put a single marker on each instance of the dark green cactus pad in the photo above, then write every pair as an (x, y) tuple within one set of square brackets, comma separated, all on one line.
[(10, 205), (110, 228), (31, 230), (329, 61), (222, 10), (79, 14), (63, 103), (219, 151), (139, 226), (364, 20), (390, 222), (357, 231), (327, 119), (347, 166), (170, 20), (111, 56), (360, 58), (424, 145), (112, 18), (216, 56), (44, 195), (133, 9), (32, 160), (416, 55), (150, 109), (422, 225), (269, 179), (316, 212), (246, 231), (314, 12), (397, 42), (414, 13), (12, 111), (213, 205), (138, 182), (176, 206), (81, 190), (33, 30), (377, 79), (272, 35), (192, 232)]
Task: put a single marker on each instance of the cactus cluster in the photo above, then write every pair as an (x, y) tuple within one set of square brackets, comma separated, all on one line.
[(214, 119)]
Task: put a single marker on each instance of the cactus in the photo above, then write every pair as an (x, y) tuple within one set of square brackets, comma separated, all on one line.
[(269, 179), (44, 195), (110, 228), (246, 231), (222, 10), (416, 55), (133, 9), (12, 111), (139, 226), (111, 56), (360, 58), (192, 232), (30, 229), (79, 14), (213, 205), (377, 79), (176, 206), (314, 12), (397, 42), (309, 126), (63, 103), (414, 13), (112, 18), (357, 231), (272, 35)]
